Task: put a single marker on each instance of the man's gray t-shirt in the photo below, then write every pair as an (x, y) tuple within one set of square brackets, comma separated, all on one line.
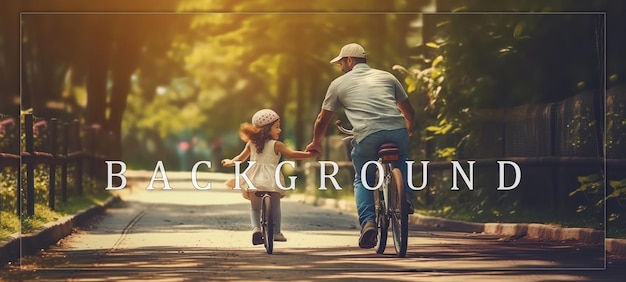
[(369, 97)]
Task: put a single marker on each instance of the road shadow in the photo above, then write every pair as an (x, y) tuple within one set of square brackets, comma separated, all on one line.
[(433, 253), (321, 264)]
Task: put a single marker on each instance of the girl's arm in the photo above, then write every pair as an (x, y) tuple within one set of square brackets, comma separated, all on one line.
[(280, 147), (241, 157)]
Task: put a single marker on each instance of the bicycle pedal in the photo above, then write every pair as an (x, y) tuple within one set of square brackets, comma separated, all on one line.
[(257, 238)]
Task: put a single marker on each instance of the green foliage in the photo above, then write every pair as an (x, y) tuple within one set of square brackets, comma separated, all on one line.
[(580, 129), (619, 190), (482, 202), (616, 199), (592, 187), (616, 123), (44, 215), (447, 153), (8, 189), (478, 63), (11, 223), (237, 62)]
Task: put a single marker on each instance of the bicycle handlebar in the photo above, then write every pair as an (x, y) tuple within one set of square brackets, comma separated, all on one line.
[(343, 129)]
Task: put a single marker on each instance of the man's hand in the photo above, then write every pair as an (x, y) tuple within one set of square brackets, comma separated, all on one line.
[(319, 130), (314, 148)]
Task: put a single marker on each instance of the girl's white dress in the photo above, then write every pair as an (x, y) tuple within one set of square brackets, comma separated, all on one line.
[(262, 173)]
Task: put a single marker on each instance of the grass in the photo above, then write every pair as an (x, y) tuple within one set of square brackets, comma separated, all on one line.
[(10, 222)]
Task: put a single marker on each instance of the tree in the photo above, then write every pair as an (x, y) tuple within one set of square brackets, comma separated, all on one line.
[(279, 56), (499, 60), (9, 61), (100, 50), (242, 56), (484, 56)]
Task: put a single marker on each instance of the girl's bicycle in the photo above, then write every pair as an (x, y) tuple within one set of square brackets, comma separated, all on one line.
[(390, 199), (267, 221)]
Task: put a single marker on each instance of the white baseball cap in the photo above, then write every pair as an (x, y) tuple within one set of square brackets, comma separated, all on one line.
[(264, 117), (350, 50)]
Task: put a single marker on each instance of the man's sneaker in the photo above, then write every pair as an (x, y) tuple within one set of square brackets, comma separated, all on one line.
[(257, 236), (279, 237), (368, 236), (410, 208)]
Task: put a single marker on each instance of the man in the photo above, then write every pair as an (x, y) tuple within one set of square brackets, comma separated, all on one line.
[(379, 110)]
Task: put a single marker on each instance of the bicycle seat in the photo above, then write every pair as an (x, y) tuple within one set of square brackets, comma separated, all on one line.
[(388, 152)]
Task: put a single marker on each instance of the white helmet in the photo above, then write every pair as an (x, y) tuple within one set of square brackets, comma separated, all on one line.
[(264, 117)]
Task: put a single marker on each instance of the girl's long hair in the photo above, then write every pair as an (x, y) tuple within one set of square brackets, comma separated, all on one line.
[(257, 135)]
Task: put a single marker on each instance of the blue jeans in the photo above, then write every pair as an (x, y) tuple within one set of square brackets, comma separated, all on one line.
[(367, 150)]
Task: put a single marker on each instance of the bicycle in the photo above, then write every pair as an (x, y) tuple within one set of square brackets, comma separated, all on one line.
[(267, 221), (390, 199)]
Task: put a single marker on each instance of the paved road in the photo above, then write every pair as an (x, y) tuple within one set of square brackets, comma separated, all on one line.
[(187, 234)]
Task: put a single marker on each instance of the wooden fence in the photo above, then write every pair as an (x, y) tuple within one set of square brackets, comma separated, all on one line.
[(56, 152), (553, 144)]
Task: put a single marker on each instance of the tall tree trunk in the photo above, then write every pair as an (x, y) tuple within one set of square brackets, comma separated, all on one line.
[(301, 93), (282, 97), (9, 62), (97, 72), (47, 60), (123, 65)]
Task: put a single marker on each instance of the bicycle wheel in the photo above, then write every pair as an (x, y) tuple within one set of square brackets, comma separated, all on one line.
[(381, 220), (267, 223), (399, 214)]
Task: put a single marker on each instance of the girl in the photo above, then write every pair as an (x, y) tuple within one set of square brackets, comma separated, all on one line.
[(262, 146)]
